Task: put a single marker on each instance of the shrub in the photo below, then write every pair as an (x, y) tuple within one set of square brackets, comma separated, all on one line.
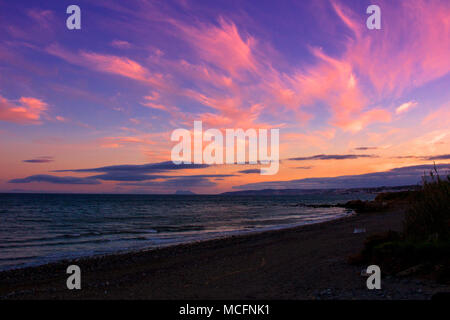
[(424, 245), (428, 217)]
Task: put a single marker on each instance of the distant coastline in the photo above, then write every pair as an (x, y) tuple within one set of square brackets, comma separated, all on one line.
[(247, 192), (321, 191)]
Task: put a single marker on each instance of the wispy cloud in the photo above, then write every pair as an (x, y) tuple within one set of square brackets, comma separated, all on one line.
[(43, 159), (333, 157), (249, 171), (128, 176), (55, 180), (366, 148), (217, 44), (118, 65), (438, 157), (26, 110), (395, 177), (140, 168), (425, 158), (405, 107)]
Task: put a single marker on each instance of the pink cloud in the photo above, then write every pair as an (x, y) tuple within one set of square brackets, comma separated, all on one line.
[(232, 110), (155, 106), (364, 119), (406, 52), (26, 111), (202, 74), (405, 107), (234, 71), (43, 18), (231, 71), (61, 119), (330, 80), (118, 65), (108, 63), (223, 46)]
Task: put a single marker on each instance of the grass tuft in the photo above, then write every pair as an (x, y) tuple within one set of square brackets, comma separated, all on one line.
[(428, 216)]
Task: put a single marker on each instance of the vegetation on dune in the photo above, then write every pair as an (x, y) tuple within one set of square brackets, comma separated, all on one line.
[(428, 216), (424, 245)]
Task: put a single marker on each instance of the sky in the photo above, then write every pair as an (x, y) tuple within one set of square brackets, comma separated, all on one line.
[(92, 110)]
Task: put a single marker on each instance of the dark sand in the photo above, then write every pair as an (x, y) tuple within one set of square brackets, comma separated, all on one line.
[(308, 262)]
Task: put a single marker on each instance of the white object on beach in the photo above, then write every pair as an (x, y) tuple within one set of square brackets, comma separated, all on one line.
[(359, 230)]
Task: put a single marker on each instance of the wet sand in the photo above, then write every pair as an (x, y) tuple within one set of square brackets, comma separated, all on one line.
[(308, 262)]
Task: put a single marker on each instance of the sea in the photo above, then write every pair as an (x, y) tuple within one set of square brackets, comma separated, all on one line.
[(37, 229)]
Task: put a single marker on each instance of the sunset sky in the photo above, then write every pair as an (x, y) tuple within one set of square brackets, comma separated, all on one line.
[(92, 110)]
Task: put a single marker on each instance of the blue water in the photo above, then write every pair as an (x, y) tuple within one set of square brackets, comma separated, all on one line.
[(41, 228)]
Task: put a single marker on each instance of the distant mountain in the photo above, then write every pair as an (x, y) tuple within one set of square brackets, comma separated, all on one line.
[(184, 192), (270, 192)]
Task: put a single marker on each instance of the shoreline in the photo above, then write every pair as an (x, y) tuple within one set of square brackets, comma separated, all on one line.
[(194, 240), (225, 236), (303, 262)]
